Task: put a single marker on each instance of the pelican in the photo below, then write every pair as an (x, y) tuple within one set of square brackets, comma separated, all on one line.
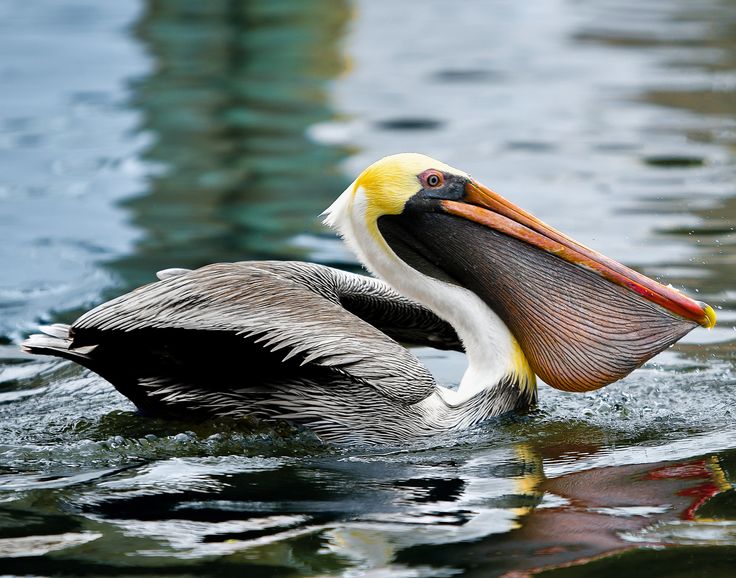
[(456, 266)]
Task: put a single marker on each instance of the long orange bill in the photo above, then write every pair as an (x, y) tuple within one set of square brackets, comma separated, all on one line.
[(511, 220), (583, 320)]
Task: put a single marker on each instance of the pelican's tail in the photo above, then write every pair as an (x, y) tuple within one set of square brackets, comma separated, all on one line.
[(55, 340)]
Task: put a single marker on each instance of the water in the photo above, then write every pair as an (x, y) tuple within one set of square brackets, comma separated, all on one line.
[(137, 136)]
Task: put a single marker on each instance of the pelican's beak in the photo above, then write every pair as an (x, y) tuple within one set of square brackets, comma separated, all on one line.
[(583, 320), (611, 315), (488, 208)]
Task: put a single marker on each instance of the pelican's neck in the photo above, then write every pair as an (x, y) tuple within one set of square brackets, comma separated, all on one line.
[(492, 351)]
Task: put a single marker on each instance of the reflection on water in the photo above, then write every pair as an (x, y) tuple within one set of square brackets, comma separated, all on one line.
[(68, 153), (615, 121), (489, 509), (235, 88)]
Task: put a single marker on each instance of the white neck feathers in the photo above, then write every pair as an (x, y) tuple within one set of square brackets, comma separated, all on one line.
[(489, 345)]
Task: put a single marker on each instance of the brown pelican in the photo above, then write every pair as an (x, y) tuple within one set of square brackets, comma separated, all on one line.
[(461, 268)]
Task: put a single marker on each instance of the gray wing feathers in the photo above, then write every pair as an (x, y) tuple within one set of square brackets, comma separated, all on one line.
[(173, 272), (404, 320), (55, 340), (284, 306)]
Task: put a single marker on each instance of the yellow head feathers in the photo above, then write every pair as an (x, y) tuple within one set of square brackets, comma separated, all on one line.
[(381, 189), (390, 182)]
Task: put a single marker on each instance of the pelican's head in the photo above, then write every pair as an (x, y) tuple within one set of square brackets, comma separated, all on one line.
[(582, 320)]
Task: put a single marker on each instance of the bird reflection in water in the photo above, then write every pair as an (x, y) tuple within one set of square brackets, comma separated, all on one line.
[(433, 512)]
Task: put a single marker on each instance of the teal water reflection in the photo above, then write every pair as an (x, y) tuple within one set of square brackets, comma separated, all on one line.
[(216, 131), (235, 89)]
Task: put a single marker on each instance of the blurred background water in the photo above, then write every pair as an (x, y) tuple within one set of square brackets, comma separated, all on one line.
[(136, 136)]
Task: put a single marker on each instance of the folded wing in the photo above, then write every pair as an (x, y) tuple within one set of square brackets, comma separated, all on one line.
[(241, 327)]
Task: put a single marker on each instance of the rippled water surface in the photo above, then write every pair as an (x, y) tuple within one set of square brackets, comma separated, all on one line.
[(136, 136)]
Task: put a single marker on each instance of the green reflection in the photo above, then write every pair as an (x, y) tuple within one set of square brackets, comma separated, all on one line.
[(234, 88)]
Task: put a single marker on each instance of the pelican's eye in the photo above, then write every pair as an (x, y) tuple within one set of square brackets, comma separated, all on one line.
[(433, 179)]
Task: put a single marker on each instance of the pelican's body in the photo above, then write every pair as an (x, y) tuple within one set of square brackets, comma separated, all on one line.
[(462, 269)]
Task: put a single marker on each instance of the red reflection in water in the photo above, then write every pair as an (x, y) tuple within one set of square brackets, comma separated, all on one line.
[(699, 494), (604, 504)]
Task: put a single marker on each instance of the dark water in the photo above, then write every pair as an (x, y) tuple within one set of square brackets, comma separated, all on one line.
[(137, 136)]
